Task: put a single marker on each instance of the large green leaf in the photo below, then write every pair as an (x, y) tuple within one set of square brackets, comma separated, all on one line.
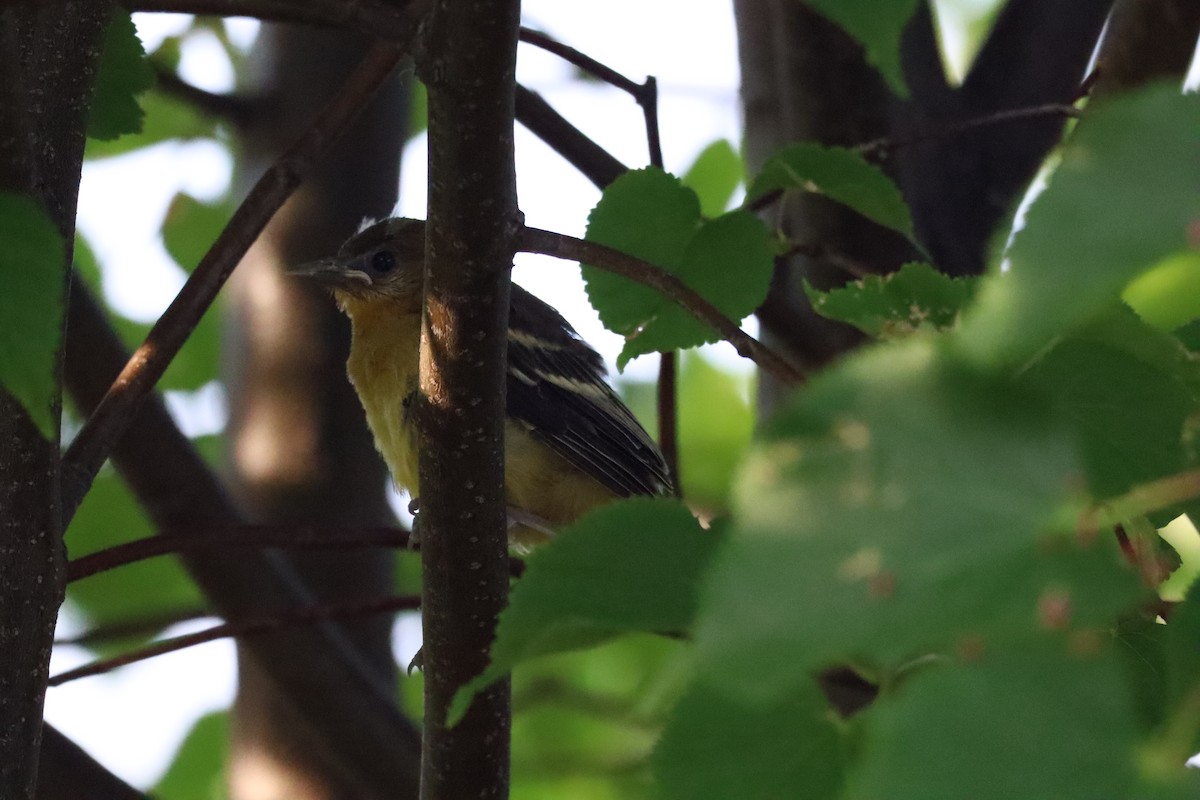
[(1123, 200), (1131, 393), (32, 283), (839, 174), (123, 74), (649, 214), (1045, 717), (719, 749), (629, 566), (902, 503), (877, 25)]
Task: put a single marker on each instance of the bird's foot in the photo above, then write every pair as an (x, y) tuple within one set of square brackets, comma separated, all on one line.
[(414, 536)]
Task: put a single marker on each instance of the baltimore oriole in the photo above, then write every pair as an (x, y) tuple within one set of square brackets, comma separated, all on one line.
[(570, 442)]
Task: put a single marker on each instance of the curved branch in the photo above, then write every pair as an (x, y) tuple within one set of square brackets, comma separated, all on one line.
[(558, 245), (117, 409)]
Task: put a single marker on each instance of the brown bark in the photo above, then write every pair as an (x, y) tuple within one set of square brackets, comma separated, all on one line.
[(469, 67), (48, 53)]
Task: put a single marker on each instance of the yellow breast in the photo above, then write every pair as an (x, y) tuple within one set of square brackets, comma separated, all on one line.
[(383, 369)]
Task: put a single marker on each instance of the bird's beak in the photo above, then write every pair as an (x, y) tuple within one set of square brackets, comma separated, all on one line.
[(331, 273)]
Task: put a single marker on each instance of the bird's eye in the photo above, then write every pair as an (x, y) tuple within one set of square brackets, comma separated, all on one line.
[(383, 261)]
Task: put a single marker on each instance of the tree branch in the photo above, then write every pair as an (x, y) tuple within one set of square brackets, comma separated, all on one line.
[(48, 56), (69, 773), (238, 536), (469, 67), (558, 245), (323, 612), (596, 163), (117, 409), (233, 108), (341, 700)]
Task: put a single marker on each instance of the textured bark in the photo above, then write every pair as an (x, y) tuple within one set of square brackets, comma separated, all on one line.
[(299, 447), (48, 53), (469, 67)]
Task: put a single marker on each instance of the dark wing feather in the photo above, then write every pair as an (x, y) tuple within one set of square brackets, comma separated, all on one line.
[(557, 389)]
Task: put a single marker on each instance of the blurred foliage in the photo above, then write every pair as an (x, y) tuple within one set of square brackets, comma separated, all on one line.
[(198, 770), (714, 176), (877, 25)]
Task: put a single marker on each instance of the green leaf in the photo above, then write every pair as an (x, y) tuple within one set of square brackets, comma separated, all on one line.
[(197, 772), (714, 177), (32, 285), (1045, 717), (191, 226), (918, 297), (1167, 296), (649, 214), (902, 504), (841, 175), (718, 749), (716, 421), (1130, 393), (629, 566), (1122, 201), (729, 262), (109, 516), (877, 25), (123, 74), (166, 118)]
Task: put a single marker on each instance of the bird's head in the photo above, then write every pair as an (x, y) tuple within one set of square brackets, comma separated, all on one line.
[(382, 262)]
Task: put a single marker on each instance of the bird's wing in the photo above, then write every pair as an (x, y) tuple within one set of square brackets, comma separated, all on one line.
[(557, 390)]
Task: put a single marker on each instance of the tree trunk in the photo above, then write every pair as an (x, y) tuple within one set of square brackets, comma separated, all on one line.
[(48, 53)]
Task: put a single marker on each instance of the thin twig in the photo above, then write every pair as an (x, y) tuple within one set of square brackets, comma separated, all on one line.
[(114, 413), (569, 248), (582, 61), (883, 147), (597, 164), (256, 536), (297, 616), (236, 109), (137, 627)]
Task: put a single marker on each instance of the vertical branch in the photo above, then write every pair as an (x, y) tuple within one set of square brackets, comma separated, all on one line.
[(48, 53), (668, 363), (469, 67)]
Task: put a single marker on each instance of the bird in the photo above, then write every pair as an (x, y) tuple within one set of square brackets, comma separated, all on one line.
[(571, 443)]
